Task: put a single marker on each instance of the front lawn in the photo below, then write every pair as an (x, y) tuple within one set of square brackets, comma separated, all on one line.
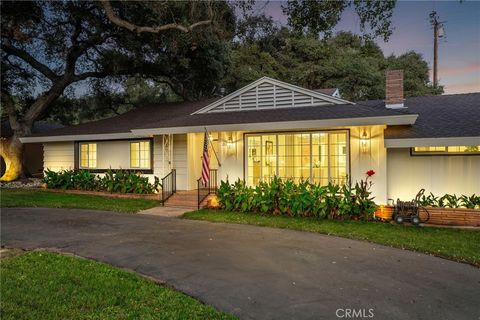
[(454, 244), (48, 199), (43, 285)]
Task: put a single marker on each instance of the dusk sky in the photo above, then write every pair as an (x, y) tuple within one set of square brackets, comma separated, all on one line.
[(459, 52)]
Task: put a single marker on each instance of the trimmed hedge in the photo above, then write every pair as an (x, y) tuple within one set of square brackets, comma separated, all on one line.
[(120, 181)]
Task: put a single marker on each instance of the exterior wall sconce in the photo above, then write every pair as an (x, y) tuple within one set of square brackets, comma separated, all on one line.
[(364, 142), (231, 145)]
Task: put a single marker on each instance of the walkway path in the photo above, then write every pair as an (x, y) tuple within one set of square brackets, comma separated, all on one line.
[(255, 272)]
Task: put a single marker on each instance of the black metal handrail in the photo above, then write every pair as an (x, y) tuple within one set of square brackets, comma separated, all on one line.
[(211, 187), (169, 185)]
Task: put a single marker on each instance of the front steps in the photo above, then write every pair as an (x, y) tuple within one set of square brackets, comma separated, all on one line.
[(185, 199)]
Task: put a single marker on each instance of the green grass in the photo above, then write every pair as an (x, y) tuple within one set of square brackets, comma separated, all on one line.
[(48, 199), (455, 244), (43, 285)]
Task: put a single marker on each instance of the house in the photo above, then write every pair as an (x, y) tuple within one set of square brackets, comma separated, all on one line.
[(270, 127)]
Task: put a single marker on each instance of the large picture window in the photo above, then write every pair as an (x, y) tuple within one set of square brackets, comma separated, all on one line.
[(140, 154), (88, 155), (450, 150), (316, 156)]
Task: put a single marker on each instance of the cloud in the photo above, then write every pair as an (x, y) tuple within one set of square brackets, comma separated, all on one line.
[(473, 67), (464, 87)]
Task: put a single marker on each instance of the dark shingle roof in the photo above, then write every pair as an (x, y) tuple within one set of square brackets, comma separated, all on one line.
[(456, 115), (38, 127), (439, 116), (180, 115)]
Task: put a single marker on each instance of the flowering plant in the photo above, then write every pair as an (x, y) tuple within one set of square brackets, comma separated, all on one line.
[(370, 173)]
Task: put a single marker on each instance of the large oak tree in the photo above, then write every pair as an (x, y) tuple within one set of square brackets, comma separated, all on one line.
[(49, 47)]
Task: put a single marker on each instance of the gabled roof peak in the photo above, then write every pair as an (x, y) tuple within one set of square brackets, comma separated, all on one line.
[(268, 93)]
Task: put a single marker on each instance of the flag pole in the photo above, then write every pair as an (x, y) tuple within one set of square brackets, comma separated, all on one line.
[(214, 152)]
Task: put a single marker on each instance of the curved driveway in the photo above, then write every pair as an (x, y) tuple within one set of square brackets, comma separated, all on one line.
[(255, 272)]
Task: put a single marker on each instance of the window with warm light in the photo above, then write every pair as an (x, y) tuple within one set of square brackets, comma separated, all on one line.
[(140, 154), (88, 155), (319, 157), (450, 150)]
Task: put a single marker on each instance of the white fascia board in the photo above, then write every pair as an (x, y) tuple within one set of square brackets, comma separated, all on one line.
[(285, 125), (432, 142), (252, 85), (84, 137)]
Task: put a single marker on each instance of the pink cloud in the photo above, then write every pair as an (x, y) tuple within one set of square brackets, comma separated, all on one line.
[(464, 87), (473, 67)]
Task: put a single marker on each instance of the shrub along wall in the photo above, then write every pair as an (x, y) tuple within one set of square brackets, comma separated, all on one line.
[(120, 181), (305, 199), (451, 201)]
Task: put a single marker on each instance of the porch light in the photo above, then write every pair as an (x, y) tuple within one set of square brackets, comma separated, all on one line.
[(364, 142), (231, 145)]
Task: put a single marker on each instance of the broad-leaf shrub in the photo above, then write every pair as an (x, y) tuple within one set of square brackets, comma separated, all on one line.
[(451, 201), (113, 181), (303, 199)]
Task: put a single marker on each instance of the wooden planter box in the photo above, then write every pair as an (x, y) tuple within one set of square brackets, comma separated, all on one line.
[(454, 216), (108, 194), (443, 216)]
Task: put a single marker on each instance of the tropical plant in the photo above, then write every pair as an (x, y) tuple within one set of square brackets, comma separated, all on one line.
[(302, 199), (451, 201), (470, 202), (429, 201), (121, 181)]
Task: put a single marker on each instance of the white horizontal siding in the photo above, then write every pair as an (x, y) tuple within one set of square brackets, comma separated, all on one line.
[(58, 156), (437, 174)]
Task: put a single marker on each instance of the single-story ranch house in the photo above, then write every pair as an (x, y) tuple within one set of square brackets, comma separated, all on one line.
[(270, 127)]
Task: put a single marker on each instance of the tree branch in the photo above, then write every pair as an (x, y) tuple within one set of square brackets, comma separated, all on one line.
[(139, 29), (9, 107), (44, 101), (25, 56), (91, 74)]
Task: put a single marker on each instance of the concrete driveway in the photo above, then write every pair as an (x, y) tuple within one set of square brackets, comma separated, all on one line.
[(258, 273)]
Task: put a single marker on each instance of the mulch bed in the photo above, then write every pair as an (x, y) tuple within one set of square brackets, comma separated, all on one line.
[(108, 194)]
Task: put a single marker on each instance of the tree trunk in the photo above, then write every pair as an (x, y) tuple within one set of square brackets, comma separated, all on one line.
[(11, 150)]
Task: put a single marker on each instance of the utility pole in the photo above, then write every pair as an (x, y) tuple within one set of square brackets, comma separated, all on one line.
[(438, 32)]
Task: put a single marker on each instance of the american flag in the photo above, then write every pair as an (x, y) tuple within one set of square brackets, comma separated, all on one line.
[(205, 162)]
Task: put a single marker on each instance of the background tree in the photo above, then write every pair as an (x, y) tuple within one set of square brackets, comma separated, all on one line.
[(346, 61), (319, 17), (47, 47), (104, 102)]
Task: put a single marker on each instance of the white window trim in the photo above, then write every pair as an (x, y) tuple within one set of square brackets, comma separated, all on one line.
[(88, 155), (139, 158)]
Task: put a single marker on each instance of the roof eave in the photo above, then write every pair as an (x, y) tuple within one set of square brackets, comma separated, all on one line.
[(285, 125), (81, 137), (431, 142)]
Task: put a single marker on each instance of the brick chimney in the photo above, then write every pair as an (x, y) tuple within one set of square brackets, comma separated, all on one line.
[(394, 89)]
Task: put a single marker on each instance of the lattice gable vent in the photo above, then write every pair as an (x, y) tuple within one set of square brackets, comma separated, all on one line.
[(267, 93)]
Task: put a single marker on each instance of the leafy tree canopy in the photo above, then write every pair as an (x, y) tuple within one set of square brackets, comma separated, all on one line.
[(346, 61), (319, 17)]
